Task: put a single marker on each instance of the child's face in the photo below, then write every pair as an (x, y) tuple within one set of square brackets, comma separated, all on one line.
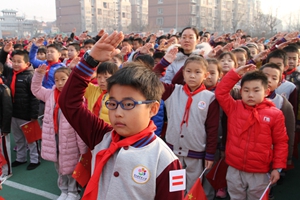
[(279, 62), (293, 59), (64, 54), (18, 63), (130, 122), (241, 58), (72, 53), (213, 76), (273, 77), (41, 56), (136, 45), (101, 80), (253, 92), (253, 51), (227, 63), (194, 74), (126, 44), (88, 47), (60, 79), (52, 54)]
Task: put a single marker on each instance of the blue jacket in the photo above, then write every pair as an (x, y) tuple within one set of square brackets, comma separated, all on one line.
[(158, 119), (48, 82)]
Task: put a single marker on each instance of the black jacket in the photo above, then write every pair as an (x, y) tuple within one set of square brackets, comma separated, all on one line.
[(5, 109), (25, 104)]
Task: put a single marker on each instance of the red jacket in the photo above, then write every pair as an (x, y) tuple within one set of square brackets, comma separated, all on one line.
[(256, 135)]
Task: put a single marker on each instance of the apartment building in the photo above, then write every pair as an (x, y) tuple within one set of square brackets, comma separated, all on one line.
[(139, 14), (212, 15)]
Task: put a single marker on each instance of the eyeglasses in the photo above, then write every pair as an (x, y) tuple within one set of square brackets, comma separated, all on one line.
[(126, 104)]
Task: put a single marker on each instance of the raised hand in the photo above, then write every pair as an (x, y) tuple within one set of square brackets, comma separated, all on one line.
[(105, 48), (101, 32), (39, 42), (170, 56), (291, 35), (74, 62), (42, 69), (213, 52), (8, 47), (261, 56), (146, 48), (244, 69), (125, 50)]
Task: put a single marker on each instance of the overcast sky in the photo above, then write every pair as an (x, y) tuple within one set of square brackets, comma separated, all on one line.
[(45, 9)]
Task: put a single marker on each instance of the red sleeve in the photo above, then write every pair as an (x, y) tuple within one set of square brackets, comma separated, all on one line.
[(178, 78), (162, 184), (223, 91), (211, 128), (161, 67), (280, 142), (89, 127), (293, 101), (169, 88)]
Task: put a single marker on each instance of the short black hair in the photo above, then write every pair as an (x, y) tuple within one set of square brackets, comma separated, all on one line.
[(139, 77), (158, 54), (255, 76), (198, 59), (21, 53), (247, 50), (55, 46), (146, 59), (278, 54), (192, 28), (107, 67), (273, 66), (42, 50), (129, 41), (240, 50), (291, 49), (139, 40), (89, 41), (18, 46), (75, 45)]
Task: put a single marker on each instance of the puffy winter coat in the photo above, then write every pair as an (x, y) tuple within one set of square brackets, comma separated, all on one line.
[(252, 147), (70, 145)]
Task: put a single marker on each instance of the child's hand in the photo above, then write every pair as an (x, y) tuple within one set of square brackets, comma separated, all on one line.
[(171, 55), (101, 32), (42, 69), (74, 62), (244, 69), (208, 164), (275, 176), (39, 42), (213, 52), (105, 48), (8, 47), (125, 50), (146, 48), (261, 56)]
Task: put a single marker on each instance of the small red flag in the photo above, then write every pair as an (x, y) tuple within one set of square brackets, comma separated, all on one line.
[(266, 195), (217, 175), (197, 192), (82, 172), (32, 131), (2, 160)]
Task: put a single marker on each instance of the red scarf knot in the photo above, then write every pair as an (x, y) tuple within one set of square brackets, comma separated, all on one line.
[(190, 95), (13, 81), (98, 104), (56, 109)]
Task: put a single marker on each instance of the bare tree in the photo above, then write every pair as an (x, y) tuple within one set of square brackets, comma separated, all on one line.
[(271, 19)]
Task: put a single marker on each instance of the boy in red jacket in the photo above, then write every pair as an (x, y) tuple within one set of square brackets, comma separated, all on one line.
[(256, 134)]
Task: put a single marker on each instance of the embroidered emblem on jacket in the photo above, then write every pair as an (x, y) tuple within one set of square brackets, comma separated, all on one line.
[(140, 174), (201, 105)]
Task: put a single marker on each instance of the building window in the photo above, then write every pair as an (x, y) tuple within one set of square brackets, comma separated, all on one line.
[(160, 1), (160, 11), (105, 5), (159, 21), (123, 15), (99, 11)]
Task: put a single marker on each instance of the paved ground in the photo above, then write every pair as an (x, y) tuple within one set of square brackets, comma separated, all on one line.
[(40, 184)]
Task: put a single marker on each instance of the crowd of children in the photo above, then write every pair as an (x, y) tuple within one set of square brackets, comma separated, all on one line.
[(154, 106)]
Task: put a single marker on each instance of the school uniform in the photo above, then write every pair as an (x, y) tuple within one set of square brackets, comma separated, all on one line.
[(119, 178), (256, 137)]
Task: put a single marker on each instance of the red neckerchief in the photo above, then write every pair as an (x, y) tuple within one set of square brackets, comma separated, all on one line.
[(212, 88), (56, 109), (1, 81), (254, 117), (190, 95), (68, 62), (91, 191), (13, 81), (50, 64), (98, 104), (289, 72)]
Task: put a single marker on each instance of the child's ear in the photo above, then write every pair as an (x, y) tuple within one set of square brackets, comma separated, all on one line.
[(154, 108), (28, 64), (206, 75)]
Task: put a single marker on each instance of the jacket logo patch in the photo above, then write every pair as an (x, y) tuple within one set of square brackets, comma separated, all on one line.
[(140, 174), (201, 105), (266, 119)]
